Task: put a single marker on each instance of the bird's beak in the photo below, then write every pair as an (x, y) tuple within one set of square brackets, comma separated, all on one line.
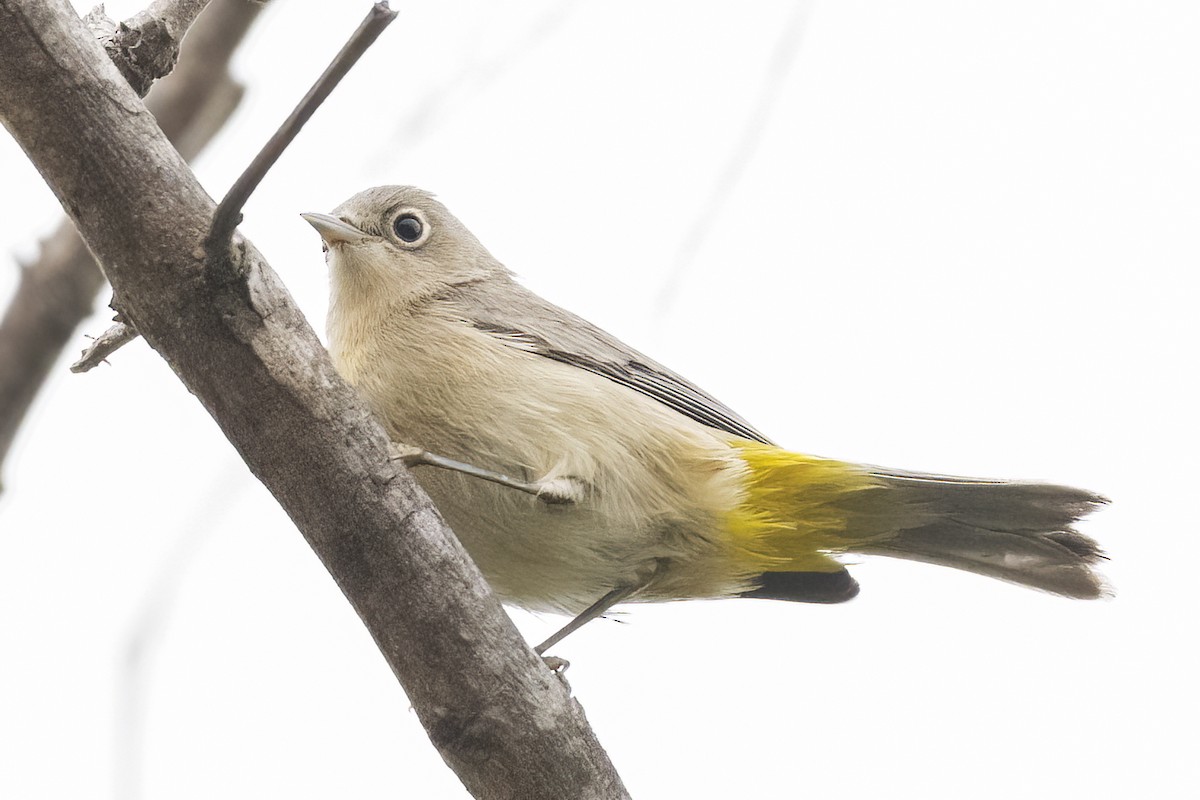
[(335, 231)]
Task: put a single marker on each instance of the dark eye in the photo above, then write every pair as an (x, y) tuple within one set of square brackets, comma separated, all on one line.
[(408, 227)]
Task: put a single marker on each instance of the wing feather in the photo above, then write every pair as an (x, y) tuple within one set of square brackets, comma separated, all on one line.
[(544, 329)]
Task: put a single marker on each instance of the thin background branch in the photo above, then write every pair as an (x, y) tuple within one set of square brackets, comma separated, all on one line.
[(150, 623), (778, 68), (58, 290), (453, 92)]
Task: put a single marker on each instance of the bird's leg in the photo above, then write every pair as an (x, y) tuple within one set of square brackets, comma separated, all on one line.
[(617, 595), (555, 491), (587, 615)]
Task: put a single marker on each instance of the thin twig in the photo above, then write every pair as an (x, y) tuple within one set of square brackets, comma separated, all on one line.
[(104, 345), (229, 212), (177, 15)]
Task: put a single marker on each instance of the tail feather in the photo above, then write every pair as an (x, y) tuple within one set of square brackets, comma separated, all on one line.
[(1014, 531), (1014, 505), (799, 510)]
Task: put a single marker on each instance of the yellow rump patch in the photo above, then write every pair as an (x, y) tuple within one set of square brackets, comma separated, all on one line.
[(795, 509)]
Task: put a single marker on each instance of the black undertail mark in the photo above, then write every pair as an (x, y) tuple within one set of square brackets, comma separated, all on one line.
[(805, 587)]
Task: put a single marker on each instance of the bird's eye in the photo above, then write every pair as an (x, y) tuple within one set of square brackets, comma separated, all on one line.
[(408, 227)]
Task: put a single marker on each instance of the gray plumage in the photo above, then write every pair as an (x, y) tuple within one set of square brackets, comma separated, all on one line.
[(456, 357)]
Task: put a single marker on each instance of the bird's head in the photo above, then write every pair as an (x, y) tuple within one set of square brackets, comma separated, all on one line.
[(397, 245)]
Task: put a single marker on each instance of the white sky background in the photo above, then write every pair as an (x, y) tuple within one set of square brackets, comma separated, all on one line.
[(965, 242)]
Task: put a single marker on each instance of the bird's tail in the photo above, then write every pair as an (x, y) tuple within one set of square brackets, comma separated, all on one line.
[(1015, 531), (1020, 532)]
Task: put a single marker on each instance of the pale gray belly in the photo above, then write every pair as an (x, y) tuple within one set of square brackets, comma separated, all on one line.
[(537, 555)]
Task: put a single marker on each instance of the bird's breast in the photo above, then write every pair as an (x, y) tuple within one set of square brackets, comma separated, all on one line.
[(658, 483)]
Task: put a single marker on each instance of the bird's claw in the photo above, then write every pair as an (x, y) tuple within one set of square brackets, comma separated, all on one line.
[(556, 665), (561, 491), (406, 454)]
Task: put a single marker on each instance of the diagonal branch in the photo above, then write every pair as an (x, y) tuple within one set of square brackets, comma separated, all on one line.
[(507, 726), (229, 212), (104, 345), (58, 290), (53, 296), (146, 46)]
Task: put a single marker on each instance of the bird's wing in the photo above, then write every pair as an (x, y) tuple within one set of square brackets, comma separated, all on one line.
[(534, 325)]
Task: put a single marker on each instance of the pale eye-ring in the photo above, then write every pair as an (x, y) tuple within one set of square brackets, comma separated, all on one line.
[(408, 227)]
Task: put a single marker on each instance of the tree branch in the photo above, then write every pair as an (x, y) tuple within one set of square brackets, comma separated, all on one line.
[(54, 294), (103, 346), (58, 290), (146, 46), (507, 726), (229, 212)]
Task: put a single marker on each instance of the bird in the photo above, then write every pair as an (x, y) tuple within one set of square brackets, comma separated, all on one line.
[(579, 473)]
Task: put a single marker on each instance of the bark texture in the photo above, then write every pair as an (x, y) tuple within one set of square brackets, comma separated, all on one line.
[(228, 328)]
